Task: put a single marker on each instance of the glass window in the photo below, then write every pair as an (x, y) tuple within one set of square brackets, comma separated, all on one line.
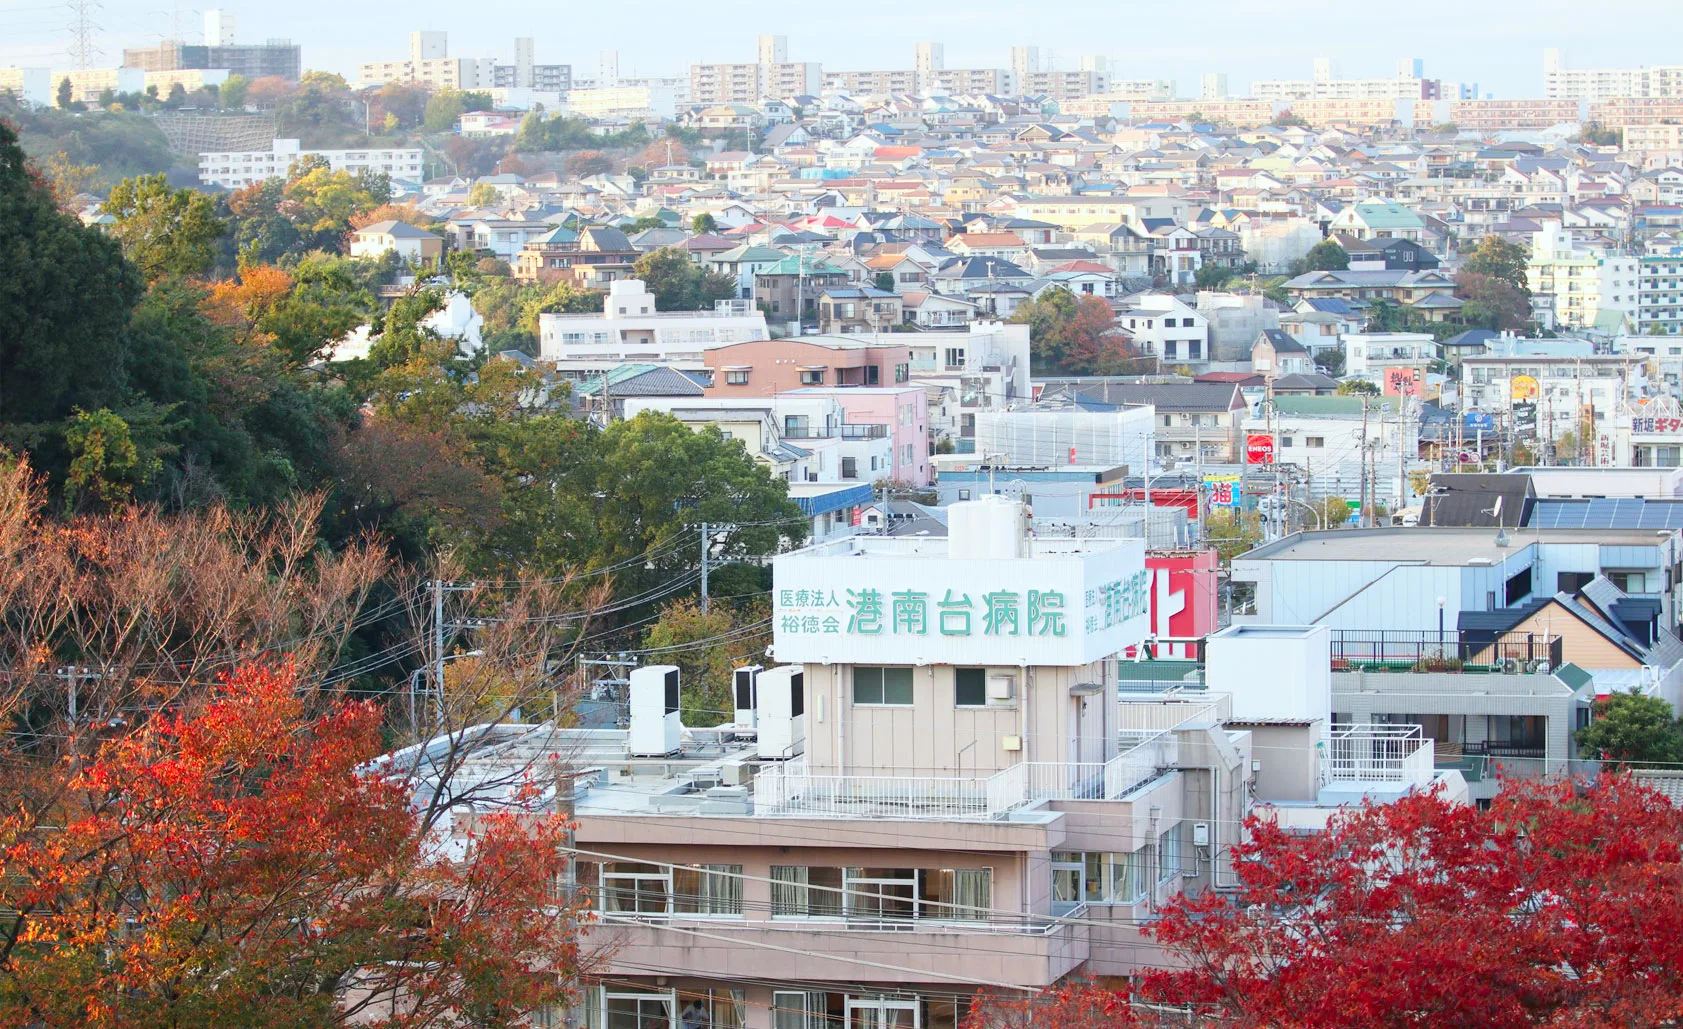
[(798, 891), (878, 685), (1168, 854), (970, 687), (1067, 868), (736, 378), (887, 894), (812, 377)]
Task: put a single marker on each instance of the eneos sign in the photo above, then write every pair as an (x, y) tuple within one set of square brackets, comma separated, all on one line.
[(1259, 448)]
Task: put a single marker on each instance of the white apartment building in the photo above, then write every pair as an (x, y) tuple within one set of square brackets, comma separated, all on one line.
[(1598, 84), (630, 329), (1405, 85), (1574, 287), (836, 449), (1660, 290), (772, 74), (627, 103), (238, 169), (1163, 325), (1371, 354)]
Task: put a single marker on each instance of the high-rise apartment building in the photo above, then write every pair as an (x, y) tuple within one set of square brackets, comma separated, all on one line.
[(431, 65), (1598, 84), (219, 51), (1213, 86), (1025, 60), (771, 75), (927, 59)]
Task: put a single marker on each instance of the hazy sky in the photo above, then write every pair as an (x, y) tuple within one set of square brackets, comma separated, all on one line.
[(1497, 43)]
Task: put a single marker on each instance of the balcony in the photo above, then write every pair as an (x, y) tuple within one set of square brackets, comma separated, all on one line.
[(1452, 651), (837, 432), (1148, 746), (1367, 753)]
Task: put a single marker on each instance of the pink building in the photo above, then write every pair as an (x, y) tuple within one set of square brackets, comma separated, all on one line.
[(763, 368), (904, 409)]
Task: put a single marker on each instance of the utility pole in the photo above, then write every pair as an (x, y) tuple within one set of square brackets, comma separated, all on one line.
[(1402, 458), (438, 647), (704, 542), (1361, 515), (72, 674)]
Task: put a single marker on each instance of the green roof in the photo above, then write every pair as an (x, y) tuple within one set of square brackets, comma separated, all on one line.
[(791, 265), (1333, 406), (1383, 214)]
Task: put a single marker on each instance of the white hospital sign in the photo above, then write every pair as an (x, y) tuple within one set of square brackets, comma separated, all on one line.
[(1062, 609)]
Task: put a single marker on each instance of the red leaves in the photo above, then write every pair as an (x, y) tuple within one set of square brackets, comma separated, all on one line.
[(1560, 906), (233, 865)]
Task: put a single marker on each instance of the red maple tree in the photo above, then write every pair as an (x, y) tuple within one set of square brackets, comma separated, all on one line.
[(1560, 906), (238, 864)]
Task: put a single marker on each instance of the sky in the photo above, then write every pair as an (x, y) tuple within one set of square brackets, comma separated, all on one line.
[(1497, 43)]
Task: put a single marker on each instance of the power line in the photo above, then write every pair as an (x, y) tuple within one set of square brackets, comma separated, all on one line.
[(83, 48)]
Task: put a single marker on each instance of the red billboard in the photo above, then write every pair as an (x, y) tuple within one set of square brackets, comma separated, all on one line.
[(1403, 382), (1183, 599), (1259, 448)]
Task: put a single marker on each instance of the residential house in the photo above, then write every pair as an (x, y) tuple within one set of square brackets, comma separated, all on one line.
[(414, 245), (855, 309)]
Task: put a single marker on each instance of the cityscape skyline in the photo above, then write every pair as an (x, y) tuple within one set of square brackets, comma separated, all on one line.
[(1487, 47)]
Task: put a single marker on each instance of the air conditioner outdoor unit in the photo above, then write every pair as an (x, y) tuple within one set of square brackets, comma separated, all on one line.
[(1002, 687), (656, 729), (744, 681), (781, 693)]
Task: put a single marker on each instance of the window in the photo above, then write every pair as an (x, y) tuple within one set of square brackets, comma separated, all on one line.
[(872, 375), (877, 685), (1314, 442), (881, 894), (633, 887), (1099, 878), (1243, 597), (795, 426), (970, 687), (1169, 349), (850, 468), (902, 372), (1168, 854), (739, 377), (812, 376), (1519, 586), (801, 892)]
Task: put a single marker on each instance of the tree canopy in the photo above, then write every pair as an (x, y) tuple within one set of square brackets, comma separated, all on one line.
[(1629, 727), (1073, 335), (679, 284)]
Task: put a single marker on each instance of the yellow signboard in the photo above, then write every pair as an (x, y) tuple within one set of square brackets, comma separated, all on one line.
[(1522, 387)]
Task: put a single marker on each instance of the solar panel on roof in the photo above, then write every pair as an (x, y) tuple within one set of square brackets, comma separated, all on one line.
[(1608, 513)]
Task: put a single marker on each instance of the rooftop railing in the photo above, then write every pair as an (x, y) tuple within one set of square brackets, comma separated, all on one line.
[(1149, 745), (1514, 653)]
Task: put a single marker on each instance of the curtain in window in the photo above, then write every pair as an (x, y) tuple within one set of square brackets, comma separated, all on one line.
[(722, 890), (788, 890), (972, 893)]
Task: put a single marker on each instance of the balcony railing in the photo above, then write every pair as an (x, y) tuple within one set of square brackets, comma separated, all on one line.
[(1384, 753), (790, 791), (1514, 653), (837, 432)]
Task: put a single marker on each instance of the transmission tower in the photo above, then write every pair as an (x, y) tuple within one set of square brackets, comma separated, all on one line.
[(83, 49)]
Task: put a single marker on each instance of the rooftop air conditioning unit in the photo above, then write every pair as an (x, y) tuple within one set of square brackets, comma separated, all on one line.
[(781, 693), (743, 682), (656, 729)]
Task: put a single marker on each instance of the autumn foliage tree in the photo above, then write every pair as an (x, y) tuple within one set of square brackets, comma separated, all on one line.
[(1560, 906), (1073, 335), (235, 863)]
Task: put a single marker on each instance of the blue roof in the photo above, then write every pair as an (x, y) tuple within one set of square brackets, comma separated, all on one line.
[(838, 499), (1607, 513)]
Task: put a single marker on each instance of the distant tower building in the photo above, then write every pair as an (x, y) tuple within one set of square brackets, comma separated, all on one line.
[(1025, 61), (428, 46), (1411, 68), (523, 62), (1213, 86), (607, 69), (219, 27), (1095, 63), (773, 49), (928, 59), (1323, 69)]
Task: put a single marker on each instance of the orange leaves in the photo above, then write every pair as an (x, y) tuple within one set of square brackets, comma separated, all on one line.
[(222, 863), (239, 304)]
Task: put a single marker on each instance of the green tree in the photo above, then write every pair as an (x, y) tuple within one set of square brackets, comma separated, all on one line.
[(1232, 532), (1492, 302), (884, 281), (231, 95), (704, 645), (704, 222), (321, 202), (1212, 276), (65, 295), (105, 464), (1500, 260), (1357, 388), (165, 231), (680, 284), (1629, 727), (1074, 335), (1326, 256), (443, 111), (483, 194), (64, 93), (1334, 511)]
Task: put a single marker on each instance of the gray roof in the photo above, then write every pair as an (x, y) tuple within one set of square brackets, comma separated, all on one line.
[(1166, 396), (397, 230)]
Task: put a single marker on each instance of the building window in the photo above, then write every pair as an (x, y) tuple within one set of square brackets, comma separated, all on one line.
[(1168, 854), (1314, 442), (902, 372), (970, 687), (633, 887), (878, 685), (1079, 878), (738, 377), (812, 376), (872, 375), (850, 468), (1243, 597)]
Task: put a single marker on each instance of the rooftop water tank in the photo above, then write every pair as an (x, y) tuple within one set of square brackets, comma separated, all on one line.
[(991, 528)]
